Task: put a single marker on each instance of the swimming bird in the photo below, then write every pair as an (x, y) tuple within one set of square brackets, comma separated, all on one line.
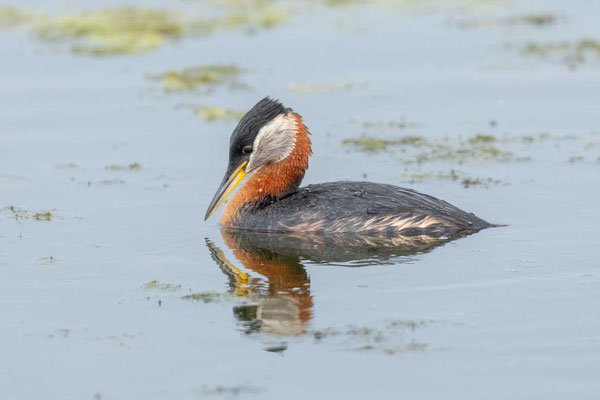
[(271, 145)]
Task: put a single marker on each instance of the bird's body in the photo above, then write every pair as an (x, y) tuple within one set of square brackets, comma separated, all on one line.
[(272, 144), (365, 207)]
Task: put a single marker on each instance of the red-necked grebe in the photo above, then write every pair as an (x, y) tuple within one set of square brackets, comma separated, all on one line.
[(271, 145)]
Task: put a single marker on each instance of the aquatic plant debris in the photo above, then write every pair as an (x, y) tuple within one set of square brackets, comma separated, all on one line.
[(119, 30), (206, 297), (42, 216), (310, 88), (387, 340), (572, 53), (203, 76), (372, 144), (164, 286), (249, 16), (20, 214), (134, 166), (227, 390), (418, 149), (455, 176), (11, 17), (214, 113), (115, 181), (534, 19), (66, 166)]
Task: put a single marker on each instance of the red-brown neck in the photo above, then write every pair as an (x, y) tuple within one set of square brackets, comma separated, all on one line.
[(273, 180)]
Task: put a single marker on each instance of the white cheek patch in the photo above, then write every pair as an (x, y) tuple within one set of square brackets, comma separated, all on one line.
[(274, 142)]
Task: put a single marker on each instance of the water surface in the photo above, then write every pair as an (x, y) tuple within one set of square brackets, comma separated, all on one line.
[(127, 293)]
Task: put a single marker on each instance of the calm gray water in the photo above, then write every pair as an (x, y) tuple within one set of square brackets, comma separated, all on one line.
[(92, 302)]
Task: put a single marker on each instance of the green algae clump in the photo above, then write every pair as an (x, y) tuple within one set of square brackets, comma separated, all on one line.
[(206, 297), (367, 144), (134, 166), (190, 78), (121, 30), (249, 17), (214, 113), (573, 53), (310, 88), (11, 17), (372, 144), (20, 214), (158, 285), (42, 216)]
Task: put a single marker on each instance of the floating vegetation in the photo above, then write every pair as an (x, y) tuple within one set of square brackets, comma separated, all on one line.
[(20, 214), (204, 76), (454, 176), (134, 30), (250, 18), (574, 159), (320, 87), (17, 213), (214, 113), (534, 19), (573, 53), (481, 138), (121, 30), (371, 144), (11, 17), (537, 19), (385, 339), (158, 285), (42, 216), (232, 391), (477, 148), (115, 181), (66, 166), (463, 6), (46, 260), (405, 348), (134, 166), (379, 125), (206, 297)]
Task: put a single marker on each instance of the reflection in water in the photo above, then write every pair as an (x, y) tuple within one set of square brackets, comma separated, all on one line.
[(281, 300)]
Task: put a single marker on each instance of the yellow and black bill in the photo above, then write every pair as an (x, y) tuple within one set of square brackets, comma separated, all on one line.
[(230, 181)]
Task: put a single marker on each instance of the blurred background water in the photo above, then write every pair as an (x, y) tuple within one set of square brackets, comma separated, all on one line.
[(115, 121)]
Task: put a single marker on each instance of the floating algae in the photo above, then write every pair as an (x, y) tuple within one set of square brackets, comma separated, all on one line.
[(17, 212), (134, 166), (66, 166), (573, 53), (115, 30), (476, 148), (454, 176), (245, 15), (206, 297), (372, 144), (389, 340), (11, 17), (42, 216), (228, 391), (158, 285), (320, 87), (115, 181), (203, 76), (214, 113), (20, 214), (538, 20)]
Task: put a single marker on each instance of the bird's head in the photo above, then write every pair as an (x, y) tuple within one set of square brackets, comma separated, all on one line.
[(271, 139)]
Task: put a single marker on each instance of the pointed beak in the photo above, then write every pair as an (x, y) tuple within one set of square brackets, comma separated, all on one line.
[(229, 183)]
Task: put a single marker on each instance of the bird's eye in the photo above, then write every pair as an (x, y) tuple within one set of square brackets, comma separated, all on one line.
[(247, 150)]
